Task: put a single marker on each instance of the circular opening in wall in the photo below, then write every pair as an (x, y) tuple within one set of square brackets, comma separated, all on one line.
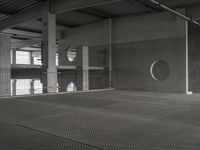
[(71, 87), (71, 54), (160, 70)]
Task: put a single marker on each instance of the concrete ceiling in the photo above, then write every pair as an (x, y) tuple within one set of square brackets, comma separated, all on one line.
[(87, 15), (10, 7)]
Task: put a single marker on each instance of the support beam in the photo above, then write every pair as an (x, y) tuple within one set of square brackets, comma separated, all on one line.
[(110, 52), (31, 58), (5, 65), (14, 87), (146, 4), (32, 90), (29, 14), (25, 43), (83, 68), (49, 49), (60, 6), (13, 57), (95, 13), (22, 33)]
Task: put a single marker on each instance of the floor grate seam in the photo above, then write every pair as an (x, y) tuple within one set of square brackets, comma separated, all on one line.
[(22, 126)]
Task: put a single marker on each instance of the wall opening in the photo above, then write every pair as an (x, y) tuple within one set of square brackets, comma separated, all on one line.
[(71, 54), (71, 87), (160, 70)]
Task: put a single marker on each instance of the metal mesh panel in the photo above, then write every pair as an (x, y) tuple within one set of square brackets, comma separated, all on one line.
[(111, 120), (19, 138)]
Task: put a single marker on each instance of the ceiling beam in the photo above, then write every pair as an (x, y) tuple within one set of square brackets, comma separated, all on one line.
[(146, 4), (22, 33), (57, 7), (29, 14), (95, 13), (60, 6), (25, 43)]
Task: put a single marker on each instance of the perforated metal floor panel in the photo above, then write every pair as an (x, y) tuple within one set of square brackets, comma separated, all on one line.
[(20, 138), (110, 120)]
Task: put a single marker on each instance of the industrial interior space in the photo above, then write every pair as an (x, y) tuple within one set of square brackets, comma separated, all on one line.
[(99, 75)]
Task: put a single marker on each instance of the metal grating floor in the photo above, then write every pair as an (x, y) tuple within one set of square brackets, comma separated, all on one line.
[(20, 138), (110, 120)]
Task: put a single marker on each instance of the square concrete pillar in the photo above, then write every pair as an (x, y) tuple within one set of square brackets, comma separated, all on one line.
[(32, 90), (83, 68), (5, 65), (31, 58), (13, 56), (49, 74), (14, 87)]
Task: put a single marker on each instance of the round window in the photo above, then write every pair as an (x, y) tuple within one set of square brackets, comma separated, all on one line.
[(160, 70), (71, 87), (71, 54)]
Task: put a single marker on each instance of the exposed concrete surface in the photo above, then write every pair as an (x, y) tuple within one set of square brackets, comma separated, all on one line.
[(110, 120), (138, 41), (5, 66), (132, 63), (49, 49), (83, 68), (147, 27), (98, 57), (194, 58), (90, 35)]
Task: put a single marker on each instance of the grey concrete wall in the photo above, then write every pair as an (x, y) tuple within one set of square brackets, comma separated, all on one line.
[(138, 41), (96, 37), (26, 73), (92, 35), (65, 77), (193, 11), (132, 62), (98, 57), (5, 66), (194, 58), (147, 27), (97, 79)]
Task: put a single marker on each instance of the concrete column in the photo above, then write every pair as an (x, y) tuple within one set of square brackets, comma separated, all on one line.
[(110, 52), (14, 56), (31, 58), (14, 87), (49, 78), (5, 65), (32, 91), (83, 68)]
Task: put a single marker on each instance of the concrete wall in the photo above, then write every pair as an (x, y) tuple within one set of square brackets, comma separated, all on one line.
[(132, 62), (98, 79), (138, 41), (5, 66), (194, 50), (96, 37), (194, 58)]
